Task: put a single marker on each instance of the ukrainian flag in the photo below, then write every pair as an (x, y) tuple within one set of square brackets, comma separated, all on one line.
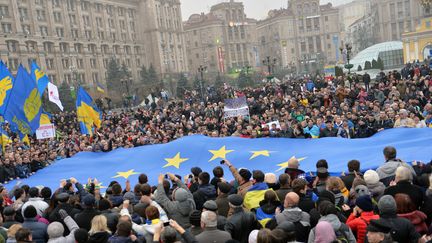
[(39, 77), (24, 108), (255, 195), (100, 88), (5, 139), (45, 118), (89, 116), (6, 84), (25, 140)]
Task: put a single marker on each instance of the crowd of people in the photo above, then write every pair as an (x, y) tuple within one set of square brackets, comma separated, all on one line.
[(390, 204), (386, 205)]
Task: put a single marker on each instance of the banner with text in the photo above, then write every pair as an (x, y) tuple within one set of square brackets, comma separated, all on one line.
[(45, 131), (236, 107)]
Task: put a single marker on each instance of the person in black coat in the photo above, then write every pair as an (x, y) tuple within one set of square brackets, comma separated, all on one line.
[(403, 179), (84, 218), (329, 131), (402, 229), (112, 218), (353, 171), (366, 80), (300, 186)]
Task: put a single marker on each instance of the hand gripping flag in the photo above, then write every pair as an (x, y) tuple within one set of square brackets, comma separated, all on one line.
[(6, 84), (88, 114), (39, 77), (24, 107)]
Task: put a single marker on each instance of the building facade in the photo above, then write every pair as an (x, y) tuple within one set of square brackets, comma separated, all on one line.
[(73, 40), (303, 37), (417, 45), (222, 40), (394, 17)]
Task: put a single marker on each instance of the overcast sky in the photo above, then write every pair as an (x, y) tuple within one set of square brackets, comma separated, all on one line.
[(257, 9)]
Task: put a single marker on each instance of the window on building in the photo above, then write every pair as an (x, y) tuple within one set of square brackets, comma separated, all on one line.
[(23, 12), (12, 46), (93, 62), (122, 24), (6, 27), (31, 46), (98, 21), (92, 48), (113, 36), (56, 3), (13, 64), (72, 19), (86, 20), (74, 33), (4, 11), (64, 47), (48, 47), (80, 63), (49, 63), (41, 15), (98, 7), (407, 6), (318, 43), (71, 5), (60, 32), (78, 48), (85, 5), (121, 11), (392, 11), (57, 17), (127, 50), (95, 77), (65, 63), (88, 34), (111, 23), (101, 35), (39, 2), (43, 30)]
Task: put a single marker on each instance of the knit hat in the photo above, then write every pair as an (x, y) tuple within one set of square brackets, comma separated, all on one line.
[(89, 200), (245, 174), (362, 190), (195, 218), (210, 205), (30, 212), (180, 195), (253, 236), (371, 177), (270, 178), (387, 205), (224, 187), (364, 203), (327, 196), (235, 200), (55, 230)]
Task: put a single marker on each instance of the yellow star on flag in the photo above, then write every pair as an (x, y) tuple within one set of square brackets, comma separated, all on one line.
[(260, 152), (221, 153), (285, 164), (125, 174), (175, 161)]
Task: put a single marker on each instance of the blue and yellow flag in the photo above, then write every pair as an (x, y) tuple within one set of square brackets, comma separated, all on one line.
[(25, 140), (6, 84), (45, 118), (4, 139), (100, 88), (39, 77), (24, 108), (88, 114)]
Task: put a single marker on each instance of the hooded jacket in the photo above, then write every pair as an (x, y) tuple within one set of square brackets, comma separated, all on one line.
[(181, 206), (70, 238), (418, 219), (360, 224), (337, 226), (300, 219), (204, 193), (386, 172), (402, 229), (377, 190), (240, 224)]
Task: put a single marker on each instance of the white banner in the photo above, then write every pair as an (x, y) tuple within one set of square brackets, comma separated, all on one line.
[(45, 131), (53, 95), (269, 125), (236, 107)]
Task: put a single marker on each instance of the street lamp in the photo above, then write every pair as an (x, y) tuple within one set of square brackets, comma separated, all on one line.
[(347, 50), (270, 63), (201, 70)]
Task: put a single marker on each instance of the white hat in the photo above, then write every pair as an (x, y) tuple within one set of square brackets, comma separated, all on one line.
[(371, 177)]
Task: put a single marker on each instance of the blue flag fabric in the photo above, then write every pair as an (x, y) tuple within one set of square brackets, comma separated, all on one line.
[(88, 114), (6, 84), (267, 154), (24, 108), (39, 77)]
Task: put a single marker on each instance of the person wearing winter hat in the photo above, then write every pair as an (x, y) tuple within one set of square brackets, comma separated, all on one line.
[(242, 178), (222, 198), (84, 218), (324, 232), (360, 217), (39, 230), (195, 220), (253, 236), (379, 232), (182, 204), (211, 205), (376, 188), (240, 223), (402, 229), (55, 229)]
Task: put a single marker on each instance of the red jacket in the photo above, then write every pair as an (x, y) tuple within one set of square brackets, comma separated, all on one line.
[(418, 219), (359, 225)]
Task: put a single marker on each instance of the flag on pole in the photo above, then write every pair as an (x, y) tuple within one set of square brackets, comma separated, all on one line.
[(100, 88), (89, 116), (39, 77), (6, 84), (53, 95)]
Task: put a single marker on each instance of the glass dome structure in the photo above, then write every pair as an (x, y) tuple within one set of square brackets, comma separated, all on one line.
[(391, 53)]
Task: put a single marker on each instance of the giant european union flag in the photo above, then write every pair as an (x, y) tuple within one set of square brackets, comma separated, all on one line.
[(267, 154)]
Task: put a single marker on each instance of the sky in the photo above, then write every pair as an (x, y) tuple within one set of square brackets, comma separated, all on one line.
[(257, 9)]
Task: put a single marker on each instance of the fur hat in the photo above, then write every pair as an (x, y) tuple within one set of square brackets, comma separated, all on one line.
[(55, 230)]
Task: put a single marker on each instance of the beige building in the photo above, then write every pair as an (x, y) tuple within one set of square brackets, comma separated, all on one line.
[(417, 44), (394, 17), (73, 40), (222, 40), (303, 37)]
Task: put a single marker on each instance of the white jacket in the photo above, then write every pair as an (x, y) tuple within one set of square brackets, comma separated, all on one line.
[(38, 203)]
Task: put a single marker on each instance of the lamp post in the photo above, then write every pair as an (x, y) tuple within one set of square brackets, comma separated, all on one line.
[(347, 50), (270, 63), (201, 70)]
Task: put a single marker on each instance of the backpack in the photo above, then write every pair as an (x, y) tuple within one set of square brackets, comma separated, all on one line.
[(341, 235)]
